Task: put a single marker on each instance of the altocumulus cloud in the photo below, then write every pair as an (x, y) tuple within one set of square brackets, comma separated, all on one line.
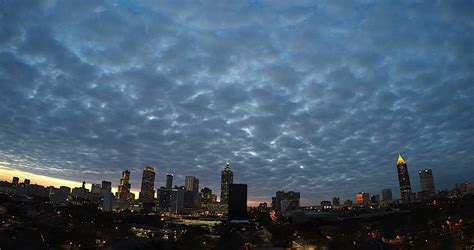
[(312, 97)]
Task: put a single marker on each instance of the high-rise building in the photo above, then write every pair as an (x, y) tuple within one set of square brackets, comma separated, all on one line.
[(107, 202), (96, 188), (227, 178), (426, 182), (403, 179), (169, 181), (387, 194), (192, 185), (123, 192), (106, 186), (27, 181), (15, 180), (237, 202), (363, 198), (147, 192), (286, 201)]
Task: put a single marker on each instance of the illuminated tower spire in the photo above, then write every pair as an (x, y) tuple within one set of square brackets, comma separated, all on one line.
[(403, 179), (400, 160)]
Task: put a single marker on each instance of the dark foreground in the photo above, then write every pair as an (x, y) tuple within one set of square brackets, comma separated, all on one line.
[(33, 223)]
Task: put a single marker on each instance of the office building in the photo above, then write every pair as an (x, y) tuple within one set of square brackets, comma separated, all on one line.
[(363, 198), (15, 180), (123, 192), (426, 182), (107, 202), (147, 191), (387, 194), (96, 189), (286, 201), (192, 185), (169, 181), (164, 198), (106, 187), (227, 178), (404, 179), (27, 182), (237, 202)]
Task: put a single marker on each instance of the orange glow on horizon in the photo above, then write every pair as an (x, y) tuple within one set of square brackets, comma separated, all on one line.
[(7, 174)]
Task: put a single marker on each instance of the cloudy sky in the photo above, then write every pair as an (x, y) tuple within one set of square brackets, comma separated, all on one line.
[(316, 97)]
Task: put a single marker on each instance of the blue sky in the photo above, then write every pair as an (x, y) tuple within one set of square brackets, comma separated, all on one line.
[(316, 97)]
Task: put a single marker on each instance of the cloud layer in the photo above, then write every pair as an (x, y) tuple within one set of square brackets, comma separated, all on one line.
[(311, 97)]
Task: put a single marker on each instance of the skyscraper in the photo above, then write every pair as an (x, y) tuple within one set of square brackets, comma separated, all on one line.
[(15, 180), (147, 192), (286, 201), (192, 185), (237, 202), (227, 178), (169, 181), (426, 182), (363, 198), (403, 179), (106, 187), (123, 192), (387, 194)]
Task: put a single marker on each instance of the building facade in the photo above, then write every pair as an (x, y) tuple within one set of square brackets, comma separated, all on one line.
[(403, 179), (169, 181), (286, 201), (192, 185), (147, 191), (426, 182), (237, 202), (123, 192), (227, 178), (363, 198)]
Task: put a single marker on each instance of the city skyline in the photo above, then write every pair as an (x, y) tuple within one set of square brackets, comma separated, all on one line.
[(191, 183), (314, 97)]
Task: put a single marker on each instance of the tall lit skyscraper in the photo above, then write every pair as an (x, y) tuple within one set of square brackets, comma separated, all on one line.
[(426, 181), (147, 192), (403, 179), (169, 181), (227, 178), (123, 192)]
